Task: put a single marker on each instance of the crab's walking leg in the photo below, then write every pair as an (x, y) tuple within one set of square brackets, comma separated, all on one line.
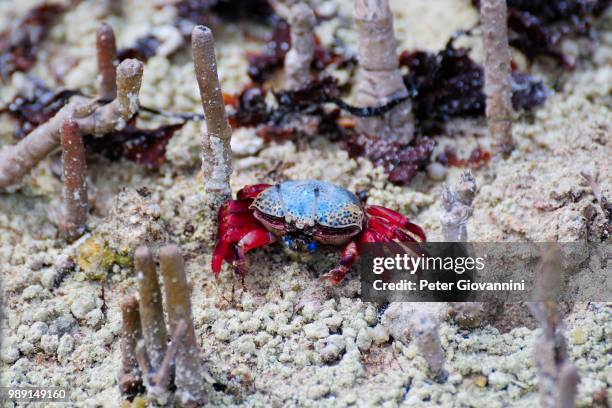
[(233, 207), (254, 239), (234, 213), (396, 219), (251, 191), (388, 230), (227, 238), (349, 255)]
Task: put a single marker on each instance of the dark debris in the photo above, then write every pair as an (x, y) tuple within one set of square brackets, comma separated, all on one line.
[(146, 147), (264, 63), (449, 84), (31, 112), (213, 13), (144, 48), (294, 111), (536, 27), (402, 162), (19, 46), (478, 158)]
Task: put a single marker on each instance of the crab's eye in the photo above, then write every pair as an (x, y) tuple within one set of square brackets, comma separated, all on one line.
[(312, 246), (288, 241)]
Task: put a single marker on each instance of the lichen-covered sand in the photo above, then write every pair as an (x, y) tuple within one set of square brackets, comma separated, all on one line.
[(287, 340)]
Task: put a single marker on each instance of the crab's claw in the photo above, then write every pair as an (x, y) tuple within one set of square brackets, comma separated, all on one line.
[(239, 231)]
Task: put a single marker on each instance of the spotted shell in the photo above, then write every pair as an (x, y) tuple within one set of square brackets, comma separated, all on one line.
[(310, 203)]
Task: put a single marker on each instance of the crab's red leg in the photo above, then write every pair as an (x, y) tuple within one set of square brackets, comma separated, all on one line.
[(371, 235), (235, 206), (234, 220), (396, 219), (388, 230), (251, 191), (254, 239), (349, 255), (225, 240)]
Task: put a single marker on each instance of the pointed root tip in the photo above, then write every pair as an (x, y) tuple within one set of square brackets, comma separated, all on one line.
[(129, 303), (200, 37), (130, 68), (69, 126), (142, 254), (104, 31), (302, 12), (201, 31), (169, 252)]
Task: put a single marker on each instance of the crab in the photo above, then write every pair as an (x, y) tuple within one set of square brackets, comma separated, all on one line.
[(304, 214)]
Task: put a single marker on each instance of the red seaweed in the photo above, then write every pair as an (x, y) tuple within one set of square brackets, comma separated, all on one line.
[(477, 159), (146, 147), (19, 46), (30, 112), (143, 146), (449, 84), (401, 162), (263, 63), (272, 57), (294, 114)]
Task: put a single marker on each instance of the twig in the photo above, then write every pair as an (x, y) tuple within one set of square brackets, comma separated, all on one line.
[(152, 314), (555, 376), (130, 377), (107, 62), (75, 183), (143, 360), (299, 58), (601, 199), (92, 118), (498, 90), (189, 372), (567, 386), (457, 206), (425, 331), (163, 376), (216, 151), (380, 79)]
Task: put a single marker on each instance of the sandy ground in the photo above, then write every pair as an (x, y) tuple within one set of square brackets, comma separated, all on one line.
[(264, 351)]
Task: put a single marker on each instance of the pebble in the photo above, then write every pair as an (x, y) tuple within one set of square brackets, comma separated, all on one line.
[(480, 381), (49, 343), (364, 339), (327, 9), (380, 334), (41, 314), (94, 318), (66, 345), (9, 352), (37, 330), (316, 330), (251, 325), (335, 346), (62, 325), (83, 305), (499, 380), (245, 345), (105, 336), (47, 278), (26, 347), (31, 292), (578, 336), (436, 171)]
